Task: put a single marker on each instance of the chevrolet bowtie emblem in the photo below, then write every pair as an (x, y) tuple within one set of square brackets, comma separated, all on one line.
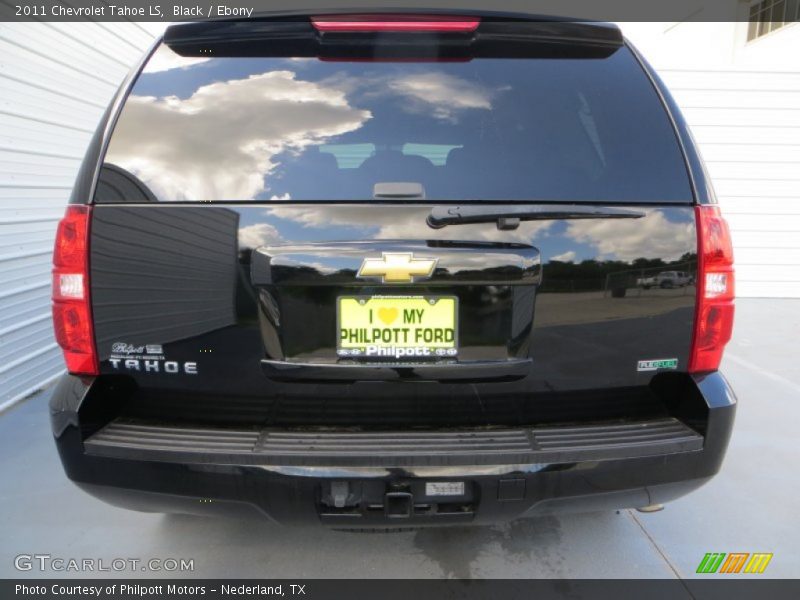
[(397, 267)]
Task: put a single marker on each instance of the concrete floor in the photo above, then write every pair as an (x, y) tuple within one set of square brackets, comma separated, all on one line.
[(751, 506)]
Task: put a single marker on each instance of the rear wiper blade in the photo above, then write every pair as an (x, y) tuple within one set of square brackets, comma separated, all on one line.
[(509, 216)]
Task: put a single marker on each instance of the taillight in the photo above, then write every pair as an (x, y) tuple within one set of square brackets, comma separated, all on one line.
[(72, 314), (396, 23), (713, 322)]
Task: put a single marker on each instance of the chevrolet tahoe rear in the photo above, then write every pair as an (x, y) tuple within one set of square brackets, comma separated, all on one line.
[(381, 270)]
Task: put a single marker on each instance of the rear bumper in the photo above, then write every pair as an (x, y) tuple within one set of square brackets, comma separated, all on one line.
[(358, 479)]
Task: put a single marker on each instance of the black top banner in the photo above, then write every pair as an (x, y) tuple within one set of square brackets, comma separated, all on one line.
[(179, 10)]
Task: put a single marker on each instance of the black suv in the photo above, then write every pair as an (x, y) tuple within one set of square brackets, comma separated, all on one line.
[(380, 270)]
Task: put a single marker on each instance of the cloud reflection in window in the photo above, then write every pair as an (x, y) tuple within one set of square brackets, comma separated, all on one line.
[(221, 142)]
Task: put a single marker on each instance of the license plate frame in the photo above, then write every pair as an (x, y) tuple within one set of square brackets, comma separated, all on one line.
[(401, 346)]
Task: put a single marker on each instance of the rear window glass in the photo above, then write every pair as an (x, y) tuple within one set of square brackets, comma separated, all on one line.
[(244, 129)]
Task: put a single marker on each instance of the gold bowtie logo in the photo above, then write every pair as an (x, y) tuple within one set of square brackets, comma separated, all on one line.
[(397, 267)]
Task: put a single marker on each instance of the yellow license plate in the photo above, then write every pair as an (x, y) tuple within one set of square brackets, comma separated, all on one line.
[(397, 327)]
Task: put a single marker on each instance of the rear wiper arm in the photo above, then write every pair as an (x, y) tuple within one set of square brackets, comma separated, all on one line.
[(509, 216)]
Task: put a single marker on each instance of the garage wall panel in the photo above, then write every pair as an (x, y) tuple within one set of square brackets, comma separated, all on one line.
[(747, 124), (56, 79)]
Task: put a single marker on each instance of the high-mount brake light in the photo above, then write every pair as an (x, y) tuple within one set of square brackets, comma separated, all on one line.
[(713, 322), (72, 314), (395, 23)]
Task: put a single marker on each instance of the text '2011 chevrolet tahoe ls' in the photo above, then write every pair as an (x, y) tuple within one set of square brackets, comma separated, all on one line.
[(370, 271)]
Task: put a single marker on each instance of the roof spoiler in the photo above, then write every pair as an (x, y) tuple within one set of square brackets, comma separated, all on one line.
[(496, 36)]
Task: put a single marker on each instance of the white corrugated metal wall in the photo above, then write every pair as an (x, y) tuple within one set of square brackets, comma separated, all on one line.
[(56, 80), (747, 123)]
